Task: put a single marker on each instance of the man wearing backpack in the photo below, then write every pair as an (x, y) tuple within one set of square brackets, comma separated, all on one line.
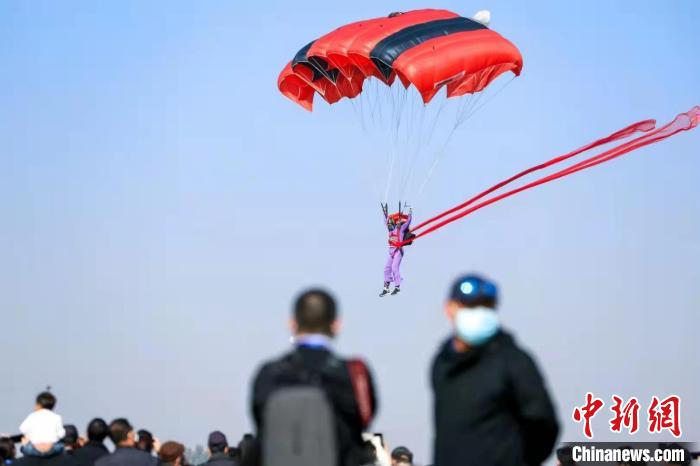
[(296, 396)]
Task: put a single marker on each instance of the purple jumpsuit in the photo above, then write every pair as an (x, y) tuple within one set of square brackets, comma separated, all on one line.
[(392, 269)]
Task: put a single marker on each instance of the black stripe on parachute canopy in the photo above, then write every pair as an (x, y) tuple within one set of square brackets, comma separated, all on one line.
[(388, 49), (318, 65)]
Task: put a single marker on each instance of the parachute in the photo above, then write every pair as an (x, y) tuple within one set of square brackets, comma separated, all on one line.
[(391, 70), (429, 49)]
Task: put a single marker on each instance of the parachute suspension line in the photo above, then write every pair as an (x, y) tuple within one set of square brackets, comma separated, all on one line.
[(382, 98), (358, 114), (390, 175), (412, 140), (466, 102), (395, 126), (435, 120), (376, 103), (489, 98), (439, 155), (414, 154)]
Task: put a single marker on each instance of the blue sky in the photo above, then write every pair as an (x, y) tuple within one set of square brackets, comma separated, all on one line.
[(161, 204)]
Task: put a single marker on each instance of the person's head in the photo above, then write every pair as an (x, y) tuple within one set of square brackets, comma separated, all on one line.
[(7, 448), (401, 456), (217, 443), (315, 312), (97, 430), (172, 453), (45, 400), (144, 440), (369, 453), (121, 433), (565, 456), (471, 308), (234, 453), (71, 439), (249, 450)]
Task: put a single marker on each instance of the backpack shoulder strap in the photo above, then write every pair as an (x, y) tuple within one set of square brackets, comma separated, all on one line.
[(359, 375)]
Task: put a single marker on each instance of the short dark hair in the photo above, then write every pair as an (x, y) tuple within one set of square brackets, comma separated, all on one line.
[(97, 430), (218, 448), (369, 453), (46, 400), (565, 455), (119, 430), (145, 440), (249, 450), (7, 448), (234, 453), (315, 311), (402, 454), (71, 437)]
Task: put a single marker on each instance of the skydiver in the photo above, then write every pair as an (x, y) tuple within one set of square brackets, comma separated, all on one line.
[(397, 224)]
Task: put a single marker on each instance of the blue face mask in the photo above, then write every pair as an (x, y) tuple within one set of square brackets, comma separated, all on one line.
[(476, 326)]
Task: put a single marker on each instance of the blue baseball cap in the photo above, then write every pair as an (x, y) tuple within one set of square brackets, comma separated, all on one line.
[(474, 291)]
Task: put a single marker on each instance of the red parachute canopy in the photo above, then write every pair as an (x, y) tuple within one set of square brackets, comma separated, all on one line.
[(426, 48)]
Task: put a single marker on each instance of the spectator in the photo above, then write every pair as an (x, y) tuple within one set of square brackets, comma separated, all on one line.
[(219, 450), (369, 454), (491, 405), (234, 454), (401, 456), (172, 454), (144, 441), (7, 451), (43, 429), (55, 460), (565, 456), (58, 459), (71, 441), (347, 384), (124, 438), (94, 449), (249, 451)]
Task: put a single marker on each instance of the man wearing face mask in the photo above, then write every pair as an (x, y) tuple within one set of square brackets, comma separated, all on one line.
[(490, 402)]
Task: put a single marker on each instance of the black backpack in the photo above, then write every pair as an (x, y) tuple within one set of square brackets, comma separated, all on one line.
[(299, 428)]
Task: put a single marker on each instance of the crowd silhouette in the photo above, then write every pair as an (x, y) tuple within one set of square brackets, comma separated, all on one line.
[(312, 407)]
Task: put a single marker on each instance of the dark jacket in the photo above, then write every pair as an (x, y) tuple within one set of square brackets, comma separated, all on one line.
[(220, 459), (56, 460), (89, 453), (334, 378), (491, 407), (127, 456)]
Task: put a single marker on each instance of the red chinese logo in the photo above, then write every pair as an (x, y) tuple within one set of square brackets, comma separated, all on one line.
[(665, 415), (626, 416), (586, 412)]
